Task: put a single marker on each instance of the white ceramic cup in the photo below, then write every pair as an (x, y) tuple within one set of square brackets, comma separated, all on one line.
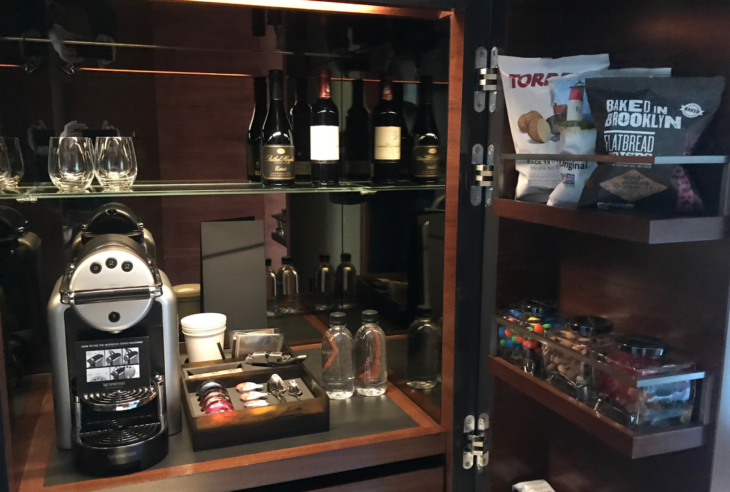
[(203, 322), (203, 346)]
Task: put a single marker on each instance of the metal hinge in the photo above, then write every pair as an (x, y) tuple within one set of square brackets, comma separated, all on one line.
[(483, 174), (487, 76), (476, 437)]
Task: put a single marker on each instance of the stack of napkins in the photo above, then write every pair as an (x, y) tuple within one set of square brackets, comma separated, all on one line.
[(533, 486)]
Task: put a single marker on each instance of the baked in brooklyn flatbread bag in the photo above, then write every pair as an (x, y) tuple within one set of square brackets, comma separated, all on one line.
[(649, 117)]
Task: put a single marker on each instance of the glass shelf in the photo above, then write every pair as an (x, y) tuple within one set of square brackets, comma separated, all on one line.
[(33, 192), (625, 159)]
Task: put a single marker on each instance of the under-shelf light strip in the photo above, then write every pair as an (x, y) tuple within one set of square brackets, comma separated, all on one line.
[(212, 74)]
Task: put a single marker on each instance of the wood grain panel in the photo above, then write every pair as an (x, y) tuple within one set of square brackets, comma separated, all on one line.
[(516, 420), (453, 156), (679, 292), (202, 125), (430, 480)]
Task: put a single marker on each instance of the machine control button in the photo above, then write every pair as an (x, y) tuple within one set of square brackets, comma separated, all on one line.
[(95, 268), (111, 262), (127, 266), (114, 316)]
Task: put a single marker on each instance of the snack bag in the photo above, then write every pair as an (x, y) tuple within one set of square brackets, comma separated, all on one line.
[(531, 119), (649, 117), (577, 130)]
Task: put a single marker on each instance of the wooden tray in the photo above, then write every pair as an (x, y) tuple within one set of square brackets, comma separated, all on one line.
[(242, 426)]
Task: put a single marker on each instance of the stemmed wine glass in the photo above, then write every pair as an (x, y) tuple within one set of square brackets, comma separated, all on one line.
[(71, 163), (12, 161), (116, 163)]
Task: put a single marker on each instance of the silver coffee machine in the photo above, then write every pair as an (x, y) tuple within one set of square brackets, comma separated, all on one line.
[(114, 341)]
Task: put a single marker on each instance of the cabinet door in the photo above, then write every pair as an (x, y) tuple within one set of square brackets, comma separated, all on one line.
[(464, 252)]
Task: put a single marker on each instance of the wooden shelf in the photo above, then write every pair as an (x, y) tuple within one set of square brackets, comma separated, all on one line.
[(364, 432), (619, 225), (638, 444)]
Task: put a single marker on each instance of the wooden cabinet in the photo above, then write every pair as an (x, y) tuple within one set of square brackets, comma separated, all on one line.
[(181, 83)]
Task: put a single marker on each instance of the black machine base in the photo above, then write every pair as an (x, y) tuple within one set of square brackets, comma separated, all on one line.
[(104, 461)]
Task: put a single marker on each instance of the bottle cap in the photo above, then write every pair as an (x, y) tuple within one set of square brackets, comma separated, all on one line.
[(286, 260), (370, 316), (345, 257), (423, 312), (337, 318), (268, 261), (324, 258), (589, 326)]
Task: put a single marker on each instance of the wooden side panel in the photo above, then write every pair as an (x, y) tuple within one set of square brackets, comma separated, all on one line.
[(679, 292), (453, 155), (520, 445)]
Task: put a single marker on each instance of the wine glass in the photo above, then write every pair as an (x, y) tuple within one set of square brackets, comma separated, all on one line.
[(71, 163), (4, 169), (10, 152), (116, 163)]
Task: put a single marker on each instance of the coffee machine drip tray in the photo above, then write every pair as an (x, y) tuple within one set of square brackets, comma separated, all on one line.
[(115, 401), (119, 432)]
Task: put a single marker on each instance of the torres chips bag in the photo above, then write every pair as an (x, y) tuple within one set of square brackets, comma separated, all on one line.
[(649, 117), (577, 129), (531, 117)]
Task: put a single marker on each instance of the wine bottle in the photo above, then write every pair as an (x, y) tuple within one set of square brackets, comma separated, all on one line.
[(253, 142), (386, 136), (357, 136), (406, 140), (426, 154), (277, 144), (325, 136), (301, 118)]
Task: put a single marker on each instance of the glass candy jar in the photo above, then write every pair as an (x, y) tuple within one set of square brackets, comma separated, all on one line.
[(669, 401), (586, 335)]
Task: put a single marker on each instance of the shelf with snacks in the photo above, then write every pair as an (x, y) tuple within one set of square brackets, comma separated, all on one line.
[(634, 444), (578, 400), (37, 191), (643, 226)]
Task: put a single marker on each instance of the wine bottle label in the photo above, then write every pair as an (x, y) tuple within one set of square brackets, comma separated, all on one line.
[(277, 162), (325, 143), (387, 143), (425, 161)]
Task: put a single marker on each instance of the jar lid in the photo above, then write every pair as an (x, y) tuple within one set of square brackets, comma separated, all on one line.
[(589, 326), (187, 291), (539, 307), (642, 345)]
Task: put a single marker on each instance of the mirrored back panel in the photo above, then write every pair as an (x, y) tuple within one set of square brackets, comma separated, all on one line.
[(178, 78)]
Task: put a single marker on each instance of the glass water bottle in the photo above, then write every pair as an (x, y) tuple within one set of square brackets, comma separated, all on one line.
[(338, 370), (288, 291), (345, 283), (423, 352), (270, 290), (324, 279), (371, 369)]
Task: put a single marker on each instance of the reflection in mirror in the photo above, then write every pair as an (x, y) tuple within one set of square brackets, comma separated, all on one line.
[(178, 78)]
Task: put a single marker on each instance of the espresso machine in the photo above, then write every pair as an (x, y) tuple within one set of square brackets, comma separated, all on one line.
[(114, 348)]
